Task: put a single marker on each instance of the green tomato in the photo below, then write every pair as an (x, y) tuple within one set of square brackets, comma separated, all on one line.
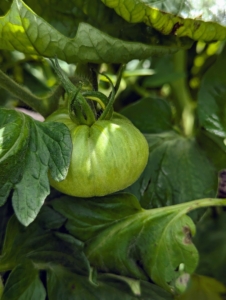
[(107, 157)]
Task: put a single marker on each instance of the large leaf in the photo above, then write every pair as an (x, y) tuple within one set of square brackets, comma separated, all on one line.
[(150, 115), (65, 17), (177, 171), (131, 241), (212, 112), (28, 149), (196, 20), (24, 284), (106, 211), (35, 36), (27, 250)]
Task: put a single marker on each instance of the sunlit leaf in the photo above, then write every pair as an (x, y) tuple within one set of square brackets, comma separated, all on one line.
[(196, 20), (28, 149), (23, 30)]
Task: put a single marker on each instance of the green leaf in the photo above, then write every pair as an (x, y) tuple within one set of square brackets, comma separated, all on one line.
[(50, 219), (212, 112), (29, 148), (65, 285), (211, 98), (195, 20), (23, 283), (203, 288), (42, 247), (143, 244), (150, 115), (66, 16), (37, 37), (214, 148), (164, 72), (177, 171), (105, 213), (211, 244), (62, 284)]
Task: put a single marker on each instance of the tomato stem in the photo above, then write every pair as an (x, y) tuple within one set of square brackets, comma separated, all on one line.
[(79, 110), (107, 112)]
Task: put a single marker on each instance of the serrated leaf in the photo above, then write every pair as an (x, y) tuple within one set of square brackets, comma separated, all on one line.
[(150, 115), (23, 283), (35, 36), (28, 149), (177, 171), (181, 18), (143, 244)]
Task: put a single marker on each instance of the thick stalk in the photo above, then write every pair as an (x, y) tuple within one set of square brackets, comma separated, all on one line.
[(183, 101), (88, 71), (44, 106)]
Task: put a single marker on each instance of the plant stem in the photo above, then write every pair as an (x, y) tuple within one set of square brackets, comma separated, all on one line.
[(107, 112), (186, 207), (89, 71), (184, 103), (44, 106), (77, 104)]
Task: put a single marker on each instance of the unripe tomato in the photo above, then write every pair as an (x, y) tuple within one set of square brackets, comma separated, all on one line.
[(107, 157)]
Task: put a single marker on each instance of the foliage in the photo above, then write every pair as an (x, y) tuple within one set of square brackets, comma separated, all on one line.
[(163, 237)]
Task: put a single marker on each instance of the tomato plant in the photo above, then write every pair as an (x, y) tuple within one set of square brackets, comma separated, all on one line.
[(112, 150)]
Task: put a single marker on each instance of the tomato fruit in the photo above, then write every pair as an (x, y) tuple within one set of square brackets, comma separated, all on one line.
[(107, 156)]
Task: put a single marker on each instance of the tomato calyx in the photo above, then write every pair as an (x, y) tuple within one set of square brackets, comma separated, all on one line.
[(81, 107)]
